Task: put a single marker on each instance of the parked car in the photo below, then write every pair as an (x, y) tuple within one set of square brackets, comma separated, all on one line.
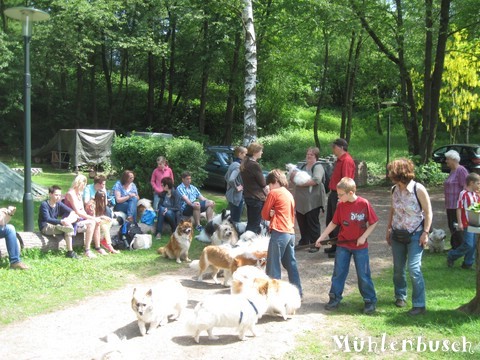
[(469, 156), (219, 159)]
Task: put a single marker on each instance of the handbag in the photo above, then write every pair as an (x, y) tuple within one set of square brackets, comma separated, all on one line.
[(402, 236)]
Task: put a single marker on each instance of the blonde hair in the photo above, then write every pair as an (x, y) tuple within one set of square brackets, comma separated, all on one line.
[(347, 184), (79, 181), (238, 150), (162, 160), (277, 176)]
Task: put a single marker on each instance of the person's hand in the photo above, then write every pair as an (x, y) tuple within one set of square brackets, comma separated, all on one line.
[(423, 239), (239, 188), (11, 210), (165, 211), (317, 243), (389, 237), (361, 240), (272, 213)]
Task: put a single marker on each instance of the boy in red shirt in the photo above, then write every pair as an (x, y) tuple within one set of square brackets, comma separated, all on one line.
[(356, 219)]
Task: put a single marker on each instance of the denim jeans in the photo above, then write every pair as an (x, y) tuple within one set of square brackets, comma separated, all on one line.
[(156, 200), (340, 272), (467, 249), (8, 232), (169, 217), (254, 214), (413, 254), (129, 207), (236, 211), (281, 251)]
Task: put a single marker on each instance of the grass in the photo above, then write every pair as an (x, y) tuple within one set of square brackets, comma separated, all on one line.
[(447, 289)]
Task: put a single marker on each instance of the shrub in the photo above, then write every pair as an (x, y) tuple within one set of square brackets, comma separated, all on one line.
[(139, 154), (429, 173)]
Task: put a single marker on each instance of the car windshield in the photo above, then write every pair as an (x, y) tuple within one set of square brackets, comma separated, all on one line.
[(226, 157)]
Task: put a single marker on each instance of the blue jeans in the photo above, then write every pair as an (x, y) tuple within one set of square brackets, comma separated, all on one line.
[(169, 217), (467, 249), (281, 251), (129, 207), (236, 211), (413, 252), (8, 232), (254, 214), (340, 272)]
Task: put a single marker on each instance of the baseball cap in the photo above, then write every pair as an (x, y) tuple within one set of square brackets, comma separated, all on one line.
[(341, 143)]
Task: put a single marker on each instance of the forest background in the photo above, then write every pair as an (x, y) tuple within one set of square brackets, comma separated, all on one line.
[(178, 66)]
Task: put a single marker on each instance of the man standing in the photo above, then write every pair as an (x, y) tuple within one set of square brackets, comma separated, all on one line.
[(56, 218), (344, 167), (193, 203)]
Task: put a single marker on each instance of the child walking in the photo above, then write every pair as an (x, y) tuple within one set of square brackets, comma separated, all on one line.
[(356, 219), (467, 197)]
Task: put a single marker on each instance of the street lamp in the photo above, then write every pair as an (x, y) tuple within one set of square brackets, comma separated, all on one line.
[(388, 104), (27, 16)]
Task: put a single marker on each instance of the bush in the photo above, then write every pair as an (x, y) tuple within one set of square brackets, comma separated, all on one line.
[(429, 173), (139, 154)]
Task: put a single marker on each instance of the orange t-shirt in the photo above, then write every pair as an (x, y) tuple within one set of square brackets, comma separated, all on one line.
[(281, 201)]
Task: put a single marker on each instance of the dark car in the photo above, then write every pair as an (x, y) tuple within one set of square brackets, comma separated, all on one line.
[(469, 156), (219, 159)]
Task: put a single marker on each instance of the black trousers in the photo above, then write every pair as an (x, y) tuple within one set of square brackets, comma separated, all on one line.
[(309, 225), (254, 214), (331, 207)]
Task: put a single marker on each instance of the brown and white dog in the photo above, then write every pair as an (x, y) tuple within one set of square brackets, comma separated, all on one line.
[(256, 258), (179, 243), (217, 258), (155, 306)]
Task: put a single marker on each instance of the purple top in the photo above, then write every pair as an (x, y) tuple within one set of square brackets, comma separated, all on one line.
[(453, 185)]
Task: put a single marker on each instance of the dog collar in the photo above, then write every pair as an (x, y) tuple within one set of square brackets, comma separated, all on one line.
[(241, 312)]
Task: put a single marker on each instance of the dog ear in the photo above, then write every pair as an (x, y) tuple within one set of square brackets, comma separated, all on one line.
[(134, 291), (261, 285), (149, 293)]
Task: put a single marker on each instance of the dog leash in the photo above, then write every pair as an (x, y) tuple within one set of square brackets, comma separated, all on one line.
[(241, 312)]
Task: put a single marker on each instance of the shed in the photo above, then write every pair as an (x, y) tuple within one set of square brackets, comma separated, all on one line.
[(77, 147)]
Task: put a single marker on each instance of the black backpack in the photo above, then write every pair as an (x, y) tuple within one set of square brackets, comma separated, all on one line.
[(128, 231)]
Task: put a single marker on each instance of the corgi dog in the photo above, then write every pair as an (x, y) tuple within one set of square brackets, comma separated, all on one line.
[(240, 311), (155, 306), (217, 257), (179, 243)]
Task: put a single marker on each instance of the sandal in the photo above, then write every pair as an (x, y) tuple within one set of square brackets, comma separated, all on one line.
[(101, 251), (109, 247), (89, 254)]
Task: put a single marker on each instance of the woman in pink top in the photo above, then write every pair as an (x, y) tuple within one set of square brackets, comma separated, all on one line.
[(161, 171), (74, 200)]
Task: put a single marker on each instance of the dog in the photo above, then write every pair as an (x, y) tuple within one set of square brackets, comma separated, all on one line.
[(179, 243), (216, 257), (240, 311), (283, 298), (436, 240), (256, 258), (249, 241), (225, 234), (157, 305), (207, 232), (299, 177), (142, 205)]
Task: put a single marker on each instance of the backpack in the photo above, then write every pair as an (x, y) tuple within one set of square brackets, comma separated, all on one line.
[(128, 231)]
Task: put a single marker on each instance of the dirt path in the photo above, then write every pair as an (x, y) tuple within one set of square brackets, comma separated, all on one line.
[(79, 332)]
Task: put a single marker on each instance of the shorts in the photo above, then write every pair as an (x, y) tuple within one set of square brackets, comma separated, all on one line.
[(188, 211)]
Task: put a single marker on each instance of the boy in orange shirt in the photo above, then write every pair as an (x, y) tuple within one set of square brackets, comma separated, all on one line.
[(279, 209)]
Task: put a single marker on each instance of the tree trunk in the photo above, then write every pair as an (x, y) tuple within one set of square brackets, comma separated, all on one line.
[(205, 76), (347, 85), (322, 86), (171, 71), (78, 98), (231, 100), (250, 94), (93, 93), (108, 84), (151, 89), (351, 87)]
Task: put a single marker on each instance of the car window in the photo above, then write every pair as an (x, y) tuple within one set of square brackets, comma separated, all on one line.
[(226, 157)]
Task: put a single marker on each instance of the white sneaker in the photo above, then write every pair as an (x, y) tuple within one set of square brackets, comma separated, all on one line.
[(64, 229)]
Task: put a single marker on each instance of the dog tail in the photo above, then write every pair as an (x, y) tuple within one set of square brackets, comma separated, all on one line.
[(161, 251)]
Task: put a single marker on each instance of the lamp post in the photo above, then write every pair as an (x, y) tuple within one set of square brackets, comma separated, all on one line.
[(388, 104), (27, 16)]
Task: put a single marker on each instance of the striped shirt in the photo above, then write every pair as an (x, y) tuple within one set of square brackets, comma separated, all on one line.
[(465, 199)]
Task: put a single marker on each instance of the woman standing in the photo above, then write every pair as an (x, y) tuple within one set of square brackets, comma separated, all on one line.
[(126, 195), (411, 210), (452, 187), (308, 202), (74, 200), (234, 181), (161, 171), (255, 189)]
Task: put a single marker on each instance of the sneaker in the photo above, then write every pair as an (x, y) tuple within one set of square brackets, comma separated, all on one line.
[(101, 251), (199, 228), (71, 255), (18, 266), (417, 311), (89, 254), (158, 236), (449, 263), (64, 229), (369, 308), (332, 305), (465, 266), (400, 303)]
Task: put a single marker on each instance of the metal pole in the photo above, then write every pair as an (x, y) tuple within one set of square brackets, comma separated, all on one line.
[(388, 146), (27, 196)]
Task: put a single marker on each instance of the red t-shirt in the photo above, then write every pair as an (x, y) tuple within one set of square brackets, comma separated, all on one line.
[(353, 219), (344, 167)]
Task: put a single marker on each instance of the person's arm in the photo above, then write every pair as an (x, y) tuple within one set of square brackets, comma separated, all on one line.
[(45, 215), (153, 182), (317, 176), (324, 235), (267, 206), (427, 210), (361, 240), (75, 207), (348, 169), (459, 219)]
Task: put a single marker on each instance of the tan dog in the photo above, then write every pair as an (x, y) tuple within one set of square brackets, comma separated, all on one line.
[(157, 305), (256, 258), (218, 257), (179, 244)]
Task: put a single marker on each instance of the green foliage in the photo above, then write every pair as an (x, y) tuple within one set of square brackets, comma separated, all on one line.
[(429, 173), (139, 154)]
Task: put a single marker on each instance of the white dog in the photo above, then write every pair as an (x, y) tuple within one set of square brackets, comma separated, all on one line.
[(299, 177), (436, 240)]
